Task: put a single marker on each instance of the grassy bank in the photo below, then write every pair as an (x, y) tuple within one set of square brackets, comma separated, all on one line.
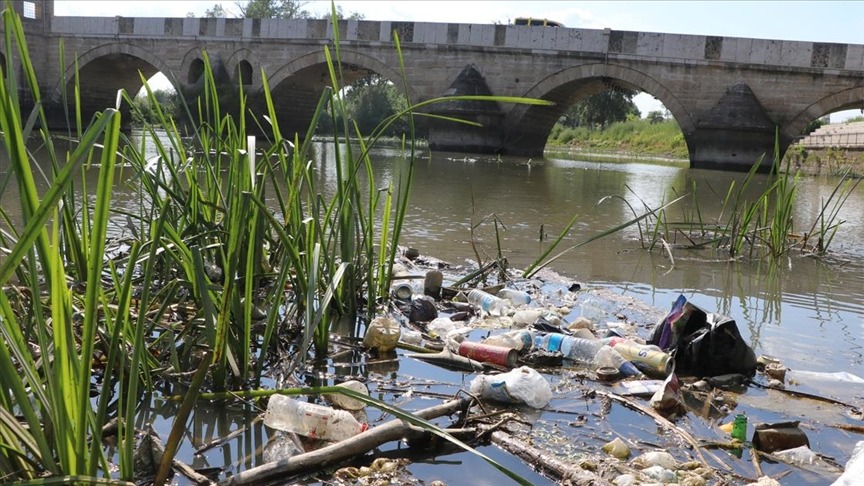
[(663, 139)]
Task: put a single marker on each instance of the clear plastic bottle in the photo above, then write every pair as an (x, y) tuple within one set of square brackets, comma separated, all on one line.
[(585, 351), (488, 302), (344, 401), (607, 356), (310, 420), (516, 297), (518, 339), (593, 312), (573, 348)]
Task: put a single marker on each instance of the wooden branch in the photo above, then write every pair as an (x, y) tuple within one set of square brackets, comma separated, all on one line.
[(337, 452), (190, 473), (667, 424), (221, 440), (549, 463)]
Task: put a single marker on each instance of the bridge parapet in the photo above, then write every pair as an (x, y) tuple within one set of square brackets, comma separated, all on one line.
[(552, 40)]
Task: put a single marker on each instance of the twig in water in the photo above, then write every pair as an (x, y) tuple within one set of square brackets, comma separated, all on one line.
[(221, 440)]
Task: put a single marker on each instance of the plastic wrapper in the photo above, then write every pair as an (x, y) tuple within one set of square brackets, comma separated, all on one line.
[(668, 398)]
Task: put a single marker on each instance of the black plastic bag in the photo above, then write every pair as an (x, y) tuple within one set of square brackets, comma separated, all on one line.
[(703, 344)]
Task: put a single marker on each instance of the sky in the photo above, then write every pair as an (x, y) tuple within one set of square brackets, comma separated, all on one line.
[(822, 21)]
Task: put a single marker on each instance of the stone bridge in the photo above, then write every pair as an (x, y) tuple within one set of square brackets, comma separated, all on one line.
[(729, 95)]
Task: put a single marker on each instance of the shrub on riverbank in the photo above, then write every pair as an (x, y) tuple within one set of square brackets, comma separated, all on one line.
[(635, 136), (827, 161)]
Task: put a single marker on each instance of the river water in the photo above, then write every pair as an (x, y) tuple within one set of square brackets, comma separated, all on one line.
[(808, 311)]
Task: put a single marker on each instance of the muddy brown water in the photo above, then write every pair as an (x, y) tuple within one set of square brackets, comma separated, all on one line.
[(809, 312)]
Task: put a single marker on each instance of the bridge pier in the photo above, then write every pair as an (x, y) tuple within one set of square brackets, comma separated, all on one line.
[(449, 136), (485, 133), (733, 149), (734, 134)]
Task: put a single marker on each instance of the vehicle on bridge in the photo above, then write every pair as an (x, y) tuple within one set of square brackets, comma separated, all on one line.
[(540, 22)]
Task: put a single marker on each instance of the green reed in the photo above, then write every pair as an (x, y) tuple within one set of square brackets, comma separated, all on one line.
[(763, 225), (227, 224), (47, 362)]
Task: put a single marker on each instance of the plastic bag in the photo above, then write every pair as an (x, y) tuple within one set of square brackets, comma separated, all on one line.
[(703, 344), (854, 467), (521, 385)]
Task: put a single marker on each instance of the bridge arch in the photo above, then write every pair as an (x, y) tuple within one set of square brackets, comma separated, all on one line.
[(527, 127), (246, 64), (296, 87), (848, 99), (109, 67), (192, 67), (357, 63)]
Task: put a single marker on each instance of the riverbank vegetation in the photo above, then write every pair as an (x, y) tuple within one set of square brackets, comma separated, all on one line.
[(641, 137)]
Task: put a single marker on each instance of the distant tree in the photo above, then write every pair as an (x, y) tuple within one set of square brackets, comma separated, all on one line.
[(655, 116), (340, 15), (368, 102), (167, 100), (814, 125), (273, 9), (216, 12), (601, 110)]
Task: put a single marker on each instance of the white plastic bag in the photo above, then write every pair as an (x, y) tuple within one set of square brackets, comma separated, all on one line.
[(521, 385), (854, 468)]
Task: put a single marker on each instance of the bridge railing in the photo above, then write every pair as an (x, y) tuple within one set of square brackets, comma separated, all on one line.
[(840, 140), (684, 48)]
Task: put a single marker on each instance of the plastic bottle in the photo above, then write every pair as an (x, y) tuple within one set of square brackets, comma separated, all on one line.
[(606, 356), (739, 427), (519, 339), (521, 385), (526, 317), (516, 297), (310, 420), (573, 348), (382, 334), (584, 351), (593, 312), (344, 401), (440, 326), (645, 356), (488, 302), (411, 336)]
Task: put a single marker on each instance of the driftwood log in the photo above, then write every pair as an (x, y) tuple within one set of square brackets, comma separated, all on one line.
[(547, 462), (332, 454)]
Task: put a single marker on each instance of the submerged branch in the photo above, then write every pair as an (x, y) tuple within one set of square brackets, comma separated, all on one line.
[(334, 453), (543, 460)]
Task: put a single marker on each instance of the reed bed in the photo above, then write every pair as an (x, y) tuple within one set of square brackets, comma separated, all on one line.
[(233, 246)]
